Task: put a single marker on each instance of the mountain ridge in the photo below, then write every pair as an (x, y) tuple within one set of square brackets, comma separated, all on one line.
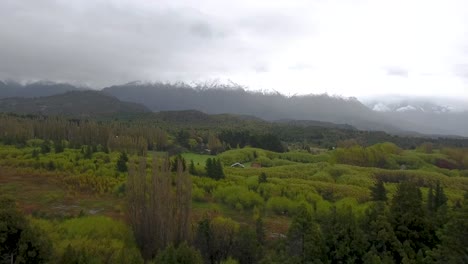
[(72, 103), (213, 98)]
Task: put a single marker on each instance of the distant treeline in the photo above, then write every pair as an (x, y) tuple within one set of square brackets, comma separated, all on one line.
[(195, 131)]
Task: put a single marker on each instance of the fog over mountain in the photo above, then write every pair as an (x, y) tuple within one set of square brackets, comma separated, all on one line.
[(82, 103), (397, 115)]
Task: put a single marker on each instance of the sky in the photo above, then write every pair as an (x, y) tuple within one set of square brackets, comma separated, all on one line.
[(360, 48)]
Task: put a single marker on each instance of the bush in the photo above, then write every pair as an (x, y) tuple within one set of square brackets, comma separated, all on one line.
[(281, 205), (238, 195)]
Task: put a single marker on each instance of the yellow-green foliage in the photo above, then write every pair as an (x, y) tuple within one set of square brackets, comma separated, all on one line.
[(105, 239), (238, 197), (97, 174)]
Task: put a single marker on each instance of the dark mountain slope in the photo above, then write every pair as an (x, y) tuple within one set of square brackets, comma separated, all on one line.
[(77, 103), (269, 106), (36, 89)]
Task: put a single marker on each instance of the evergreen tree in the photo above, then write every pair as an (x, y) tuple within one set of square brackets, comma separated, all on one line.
[(35, 154), (454, 243), (218, 169), (378, 192), (87, 151), (262, 178), (246, 248), (304, 236), (209, 167), (45, 147), (122, 162), (344, 240), (383, 243), (409, 221), (183, 254), (192, 169), (58, 146), (20, 242), (204, 240), (260, 230), (440, 199), (430, 201)]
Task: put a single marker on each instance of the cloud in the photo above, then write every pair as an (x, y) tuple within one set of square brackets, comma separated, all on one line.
[(300, 46), (106, 42), (395, 71)]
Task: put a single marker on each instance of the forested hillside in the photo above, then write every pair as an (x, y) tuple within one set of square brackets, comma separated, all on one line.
[(75, 103)]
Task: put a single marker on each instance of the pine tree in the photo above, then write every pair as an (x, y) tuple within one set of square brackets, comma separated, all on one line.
[(192, 169), (122, 162), (209, 168), (304, 236), (45, 147), (260, 230), (430, 201), (383, 243), (378, 192), (440, 199), (408, 218), (262, 178), (344, 239), (218, 169), (454, 243), (58, 146)]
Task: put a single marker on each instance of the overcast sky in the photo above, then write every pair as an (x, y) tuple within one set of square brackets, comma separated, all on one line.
[(346, 47)]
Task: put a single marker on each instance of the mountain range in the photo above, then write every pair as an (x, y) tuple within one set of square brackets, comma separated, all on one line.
[(401, 117), (72, 103)]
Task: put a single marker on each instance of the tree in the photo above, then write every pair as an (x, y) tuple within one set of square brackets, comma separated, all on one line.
[(218, 171), (122, 162), (183, 254), (304, 236), (192, 169), (262, 178), (19, 241), (246, 248), (378, 192), (45, 147), (175, 162), (159, 207), (344, 240), (77, 256), (260, 230), (383, 243), (408, 219), (440, 199), (214, 168), (35, 154), (454, 245), (216, 238), (430, 201), (209, 167), (182, 138), (87, 151), (58, 146)]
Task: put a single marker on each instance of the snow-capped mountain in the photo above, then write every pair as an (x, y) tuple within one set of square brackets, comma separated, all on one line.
[(411, 106)]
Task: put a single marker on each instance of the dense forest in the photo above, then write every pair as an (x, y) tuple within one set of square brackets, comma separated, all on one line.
[(187, 187)]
